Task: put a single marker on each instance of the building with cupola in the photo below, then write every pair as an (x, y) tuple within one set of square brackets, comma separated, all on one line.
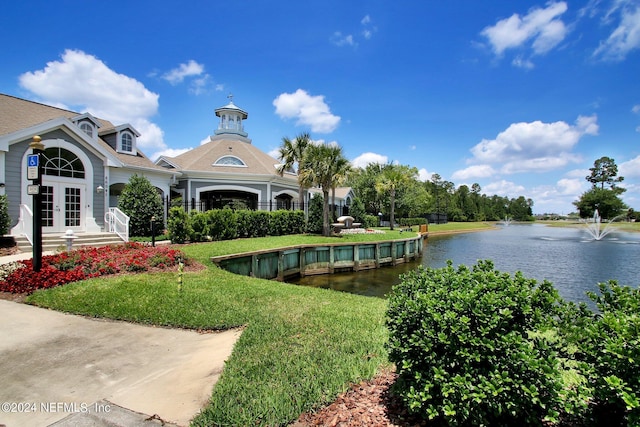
[(228, 170)]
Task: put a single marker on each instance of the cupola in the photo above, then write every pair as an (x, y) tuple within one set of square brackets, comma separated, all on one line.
[(231, 118)]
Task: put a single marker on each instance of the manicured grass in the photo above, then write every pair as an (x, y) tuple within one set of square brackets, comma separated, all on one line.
[(456, 227), (300, 348), (204, 252)]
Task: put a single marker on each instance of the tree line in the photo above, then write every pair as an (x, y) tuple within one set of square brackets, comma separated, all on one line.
[(391, 189)]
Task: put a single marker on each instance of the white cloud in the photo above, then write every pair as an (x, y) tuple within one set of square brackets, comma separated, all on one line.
[(199, 80), (558, 198), (365, 158), (636, 109), (171, 152), (308, 110), (540, 29), (522, 63), (573, 187), (367, 31), (534, 146), (340, 39), (626, 36), (82, 82), (630, 169), (177, 75), (503, 188), (424, 175), (476, 171)]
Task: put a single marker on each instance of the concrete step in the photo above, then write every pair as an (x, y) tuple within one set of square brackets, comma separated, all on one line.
[(53, 242)]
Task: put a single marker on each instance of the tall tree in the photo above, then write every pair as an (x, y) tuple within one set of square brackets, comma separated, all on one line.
[(604, 171), (604, 200), (340, 170), (363, 181), (318, 168), (392, 178), (292, 153)]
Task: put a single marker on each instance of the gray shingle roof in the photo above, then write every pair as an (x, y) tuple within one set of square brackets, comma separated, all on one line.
[(202, 159), (17, 114)]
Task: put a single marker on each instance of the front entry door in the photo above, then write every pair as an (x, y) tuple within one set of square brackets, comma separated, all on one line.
[(62, 207)]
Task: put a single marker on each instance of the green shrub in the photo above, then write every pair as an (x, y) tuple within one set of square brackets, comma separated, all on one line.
[(198, 226), (140, 200), (283, 222), (371, 221), (278, 223), (221, 224), (5, 221), (463, 344), (178, 225), (314, 222), (409, 222), (357, 211), (606, 346)]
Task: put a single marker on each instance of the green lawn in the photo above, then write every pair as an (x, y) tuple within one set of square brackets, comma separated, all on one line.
[(301, 346)]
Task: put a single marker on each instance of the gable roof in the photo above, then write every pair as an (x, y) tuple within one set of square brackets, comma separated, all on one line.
[(17, 114), (202, 159)]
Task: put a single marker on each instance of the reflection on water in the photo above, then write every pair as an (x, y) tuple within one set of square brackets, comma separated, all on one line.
[(564, 256)]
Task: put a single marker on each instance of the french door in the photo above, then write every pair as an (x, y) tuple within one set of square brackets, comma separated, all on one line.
[(62, 207)]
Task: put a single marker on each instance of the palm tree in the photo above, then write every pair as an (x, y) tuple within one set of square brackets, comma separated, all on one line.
[(392, 178), (320, 167), (290, 153), (341, 169)]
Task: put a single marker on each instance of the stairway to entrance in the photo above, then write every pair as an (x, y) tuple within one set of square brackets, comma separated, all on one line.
[(54, 242)]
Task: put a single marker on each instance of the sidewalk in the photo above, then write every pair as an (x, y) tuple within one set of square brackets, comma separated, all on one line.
[(65, 370)]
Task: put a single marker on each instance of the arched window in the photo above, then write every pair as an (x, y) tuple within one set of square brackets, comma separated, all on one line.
[(126, 142), (57, 161), (87, 128), (229, 161)]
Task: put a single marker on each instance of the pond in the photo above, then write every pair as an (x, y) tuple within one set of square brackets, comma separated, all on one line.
[(567, 257)]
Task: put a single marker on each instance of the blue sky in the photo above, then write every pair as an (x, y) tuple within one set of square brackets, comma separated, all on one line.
[(520, 97)]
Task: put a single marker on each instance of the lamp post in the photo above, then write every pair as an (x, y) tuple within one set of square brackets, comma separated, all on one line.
[(35, 174)]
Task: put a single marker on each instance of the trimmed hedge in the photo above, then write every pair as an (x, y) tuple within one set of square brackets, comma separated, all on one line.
[(227, 224), (408, 222), (465, 350)]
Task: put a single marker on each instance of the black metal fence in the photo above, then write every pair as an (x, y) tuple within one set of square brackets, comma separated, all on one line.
[(271, 205)]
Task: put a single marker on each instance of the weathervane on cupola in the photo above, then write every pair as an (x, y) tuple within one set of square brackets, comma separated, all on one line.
[(231, 124)]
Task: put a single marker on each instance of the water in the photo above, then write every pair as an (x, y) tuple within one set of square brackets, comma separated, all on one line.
[(567, 257)]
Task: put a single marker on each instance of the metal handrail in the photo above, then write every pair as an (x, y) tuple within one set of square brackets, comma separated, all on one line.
[(117, 222)]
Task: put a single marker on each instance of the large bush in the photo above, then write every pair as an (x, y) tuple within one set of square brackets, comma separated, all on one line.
[(178, 225), (5, 221), (467, 346), (222, 224), (140, 200), (606, 347), (314, 221)]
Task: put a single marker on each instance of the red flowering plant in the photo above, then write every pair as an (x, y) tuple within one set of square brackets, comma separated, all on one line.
[(84, 263)]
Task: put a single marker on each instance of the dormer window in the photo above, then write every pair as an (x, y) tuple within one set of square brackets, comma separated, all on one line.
[(87, 128), (229, 161), (126, 142)]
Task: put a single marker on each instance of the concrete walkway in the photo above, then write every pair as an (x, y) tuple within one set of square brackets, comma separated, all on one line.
[(76, 371)]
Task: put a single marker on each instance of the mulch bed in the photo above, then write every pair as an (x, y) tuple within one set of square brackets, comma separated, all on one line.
[(367, 404)]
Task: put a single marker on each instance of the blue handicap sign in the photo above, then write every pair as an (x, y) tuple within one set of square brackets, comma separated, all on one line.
[(32, 160)]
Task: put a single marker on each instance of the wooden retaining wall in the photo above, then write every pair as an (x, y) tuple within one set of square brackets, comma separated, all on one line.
[(303, 260)]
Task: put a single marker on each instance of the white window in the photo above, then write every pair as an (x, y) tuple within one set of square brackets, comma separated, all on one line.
[(87, 128), (229, 161), (126, 142)]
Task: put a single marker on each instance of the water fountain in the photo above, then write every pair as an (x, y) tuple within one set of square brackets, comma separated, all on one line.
[(595, 228), (507, 220)]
